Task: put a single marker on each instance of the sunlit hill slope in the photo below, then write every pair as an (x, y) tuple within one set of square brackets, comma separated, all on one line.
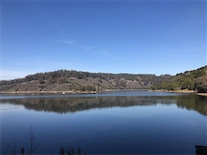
[(190, 80), (77, 81), (64, 80)]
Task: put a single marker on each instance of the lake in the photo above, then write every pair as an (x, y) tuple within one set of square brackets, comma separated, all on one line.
[(127, 122)]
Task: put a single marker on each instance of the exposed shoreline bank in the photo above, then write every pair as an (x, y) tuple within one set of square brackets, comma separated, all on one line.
[(70, 92), (62, 92), (97, 92), (202, 94), (49, 92), (177, 91), (183, 91)]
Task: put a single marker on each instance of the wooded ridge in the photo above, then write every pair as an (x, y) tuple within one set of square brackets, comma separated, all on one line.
[(190, 80), (64, 80), (78, 81)]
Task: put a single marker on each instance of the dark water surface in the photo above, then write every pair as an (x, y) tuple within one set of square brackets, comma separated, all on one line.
[(110, 123)]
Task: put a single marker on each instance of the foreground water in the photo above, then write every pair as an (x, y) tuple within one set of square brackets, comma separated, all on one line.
[(111, 123)]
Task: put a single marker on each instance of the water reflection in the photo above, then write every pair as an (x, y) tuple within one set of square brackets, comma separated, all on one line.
[(73, 104)]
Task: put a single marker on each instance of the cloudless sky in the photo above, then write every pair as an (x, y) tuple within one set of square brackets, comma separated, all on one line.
[(111, 36)]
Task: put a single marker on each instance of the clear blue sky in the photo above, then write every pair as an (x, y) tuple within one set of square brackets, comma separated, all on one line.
[(125, 36)]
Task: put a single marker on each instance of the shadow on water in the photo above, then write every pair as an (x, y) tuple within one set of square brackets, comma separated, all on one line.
[(201, 150), (74, 104)]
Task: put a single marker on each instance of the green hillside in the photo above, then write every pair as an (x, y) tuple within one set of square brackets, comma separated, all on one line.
[(191, 80), (64, 80), (77, 81)]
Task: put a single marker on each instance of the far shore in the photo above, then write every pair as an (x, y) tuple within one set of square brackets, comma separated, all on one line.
[(68, 92), (48, 92), (202, 94), (96, 92), (183, 91)]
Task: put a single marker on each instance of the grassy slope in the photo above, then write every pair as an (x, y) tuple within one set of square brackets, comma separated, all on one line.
[(80, 81), (74, 81), (189, 80)]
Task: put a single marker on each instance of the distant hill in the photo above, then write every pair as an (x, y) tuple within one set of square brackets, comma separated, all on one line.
[(191, 80), (64, 80), (77, 81)]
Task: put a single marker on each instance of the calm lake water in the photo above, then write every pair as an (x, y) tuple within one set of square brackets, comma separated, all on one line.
[(132, 122)]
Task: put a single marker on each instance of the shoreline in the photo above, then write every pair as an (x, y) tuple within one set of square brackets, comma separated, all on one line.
[(49, 92), (202, 94), (177, 91), (97, 92), (183, 91), (69, 92)]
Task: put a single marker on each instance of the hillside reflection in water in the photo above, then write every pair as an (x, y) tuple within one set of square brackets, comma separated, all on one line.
[(73, 104), (116, 123)]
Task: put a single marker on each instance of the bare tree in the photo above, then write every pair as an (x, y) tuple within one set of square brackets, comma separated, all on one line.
[(32, 137)]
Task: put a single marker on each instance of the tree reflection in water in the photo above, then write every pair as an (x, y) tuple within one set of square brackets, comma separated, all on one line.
[(74, 104)]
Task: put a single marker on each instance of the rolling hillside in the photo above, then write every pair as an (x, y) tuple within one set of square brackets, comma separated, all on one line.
[(64, 80), (190, 80), (77, 81)]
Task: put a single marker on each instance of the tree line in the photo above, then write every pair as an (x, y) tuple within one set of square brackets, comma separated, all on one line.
[(191, 80), (106, 80), (86, 81)]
